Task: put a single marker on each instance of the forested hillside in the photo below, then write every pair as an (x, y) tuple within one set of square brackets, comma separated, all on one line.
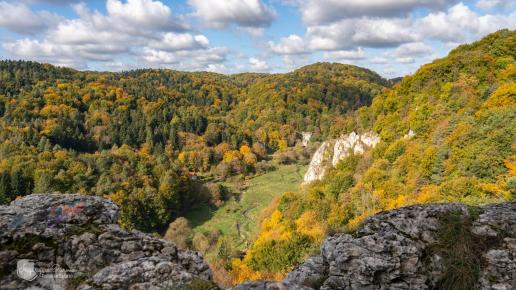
[(462, 111), (141, 137)]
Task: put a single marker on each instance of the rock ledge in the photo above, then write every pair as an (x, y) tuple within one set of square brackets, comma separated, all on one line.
[(77, 238), (73, 242), (404, 249)]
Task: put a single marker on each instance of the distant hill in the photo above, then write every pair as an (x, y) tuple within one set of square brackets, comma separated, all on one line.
[(295, 100), (139, 136)]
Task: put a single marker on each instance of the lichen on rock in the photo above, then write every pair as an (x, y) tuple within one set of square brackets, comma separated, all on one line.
[(79, 235), (405, 249), (433, 246)]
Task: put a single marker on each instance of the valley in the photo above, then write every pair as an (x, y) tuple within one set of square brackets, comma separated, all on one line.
[(238, 220)]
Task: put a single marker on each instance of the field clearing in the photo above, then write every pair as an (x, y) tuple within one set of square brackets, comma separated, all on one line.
[(245, 214)]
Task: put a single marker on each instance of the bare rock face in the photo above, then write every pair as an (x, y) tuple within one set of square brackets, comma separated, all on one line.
[(68, 241), (353, 143), (318, 164), (419, 247), (306, 136), (59, 241), (267, 285), (332, 151), (409, 135)]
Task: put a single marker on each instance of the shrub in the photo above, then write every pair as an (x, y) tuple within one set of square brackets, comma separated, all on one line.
[(179, 232)]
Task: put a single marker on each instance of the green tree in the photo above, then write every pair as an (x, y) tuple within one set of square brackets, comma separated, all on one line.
[(43, 182), (5, 187)]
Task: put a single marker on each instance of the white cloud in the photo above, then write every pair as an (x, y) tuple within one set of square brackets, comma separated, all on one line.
[(217, 68), (203, 59), (56, 2), (258, 64), (346, 55), (413, 49), (366, 32), (347, 34), (253, 31), (154, 56), (172, 41), (398, 35), (292, 44), (378, 60), (19, 18), (44, 51), (326, 11), (143, 30), (491, 4), (245, 13), (146, 14), (292, 62), (405, 60), (460, 23), (382, 32)]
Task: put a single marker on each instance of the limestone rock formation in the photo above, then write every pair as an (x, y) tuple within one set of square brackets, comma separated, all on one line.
[(333, 151), (409, 135), (306, 136), (267, 285), (59, 241), (318, 164), (67, 241), (419, 247), (355, 143)]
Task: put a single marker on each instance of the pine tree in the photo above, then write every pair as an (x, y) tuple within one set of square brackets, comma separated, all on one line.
[(5, 186), (18, 184), (43, 183)]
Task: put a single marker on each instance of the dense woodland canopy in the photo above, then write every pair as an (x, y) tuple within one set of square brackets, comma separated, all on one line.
[(138, 136), (462, 109)]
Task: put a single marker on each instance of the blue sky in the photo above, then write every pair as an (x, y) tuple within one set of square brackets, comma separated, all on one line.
[(392, 37)]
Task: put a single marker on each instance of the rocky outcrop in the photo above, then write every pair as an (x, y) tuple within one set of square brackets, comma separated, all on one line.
[(332, 151), (409, 135), (57, 241), (306, 136), (268, 285), (353, 143), (318, 164), (420, 247)]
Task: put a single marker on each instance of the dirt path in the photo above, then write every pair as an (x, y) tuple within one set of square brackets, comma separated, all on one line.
[(246, 211), (239, 226)]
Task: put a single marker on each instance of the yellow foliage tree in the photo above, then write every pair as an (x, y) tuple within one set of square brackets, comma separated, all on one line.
[(244, 149), (308, 224)]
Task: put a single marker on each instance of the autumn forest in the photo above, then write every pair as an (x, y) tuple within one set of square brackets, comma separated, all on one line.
[(162, 143)]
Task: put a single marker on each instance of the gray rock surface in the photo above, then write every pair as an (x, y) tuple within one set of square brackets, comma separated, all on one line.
[(78, 236), (267, 285), (399, 249)]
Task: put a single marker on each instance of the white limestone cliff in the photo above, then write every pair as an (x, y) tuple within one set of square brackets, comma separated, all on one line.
[(306, 138), (333, 151), (410, 134), (317, 166)]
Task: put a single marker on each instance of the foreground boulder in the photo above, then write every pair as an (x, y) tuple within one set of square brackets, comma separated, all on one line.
[(57, 241), (270, 285), (435, 246)]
